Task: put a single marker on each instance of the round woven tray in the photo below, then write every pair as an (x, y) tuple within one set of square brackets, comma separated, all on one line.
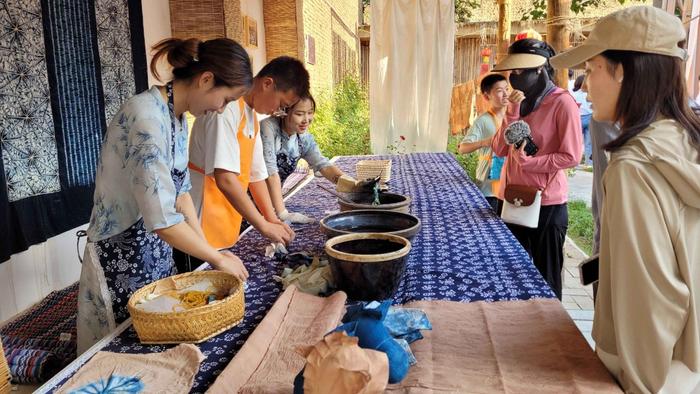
[(194, 325)]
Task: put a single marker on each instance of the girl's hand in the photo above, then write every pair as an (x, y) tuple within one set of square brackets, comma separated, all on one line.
[(231, 264)]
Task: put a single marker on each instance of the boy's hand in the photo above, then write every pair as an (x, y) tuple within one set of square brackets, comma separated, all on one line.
[(277, 232), (295, 217)]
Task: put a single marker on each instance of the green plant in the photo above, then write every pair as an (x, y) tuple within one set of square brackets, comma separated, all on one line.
[(463, 9), (398, 147), (581, 225), (468, 161), (539, 8), (341, 123)]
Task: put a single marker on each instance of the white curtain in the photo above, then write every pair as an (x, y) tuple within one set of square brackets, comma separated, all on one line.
[(410, 73)]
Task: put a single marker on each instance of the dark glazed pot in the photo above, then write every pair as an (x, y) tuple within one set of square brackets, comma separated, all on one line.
[(387, 201), (368, 266), (371, 221)]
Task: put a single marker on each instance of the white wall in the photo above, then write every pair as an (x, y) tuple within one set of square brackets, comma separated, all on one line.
[(156, 26), (254, 9), (29, 276)]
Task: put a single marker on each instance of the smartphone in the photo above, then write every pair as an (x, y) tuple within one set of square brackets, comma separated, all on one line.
[(530, 146), (588, 270)]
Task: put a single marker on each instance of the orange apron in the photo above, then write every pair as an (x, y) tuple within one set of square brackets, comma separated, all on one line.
[(220, 221)]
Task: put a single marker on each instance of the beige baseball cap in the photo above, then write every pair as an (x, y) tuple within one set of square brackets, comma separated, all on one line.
[(524, 54), (641, 29)]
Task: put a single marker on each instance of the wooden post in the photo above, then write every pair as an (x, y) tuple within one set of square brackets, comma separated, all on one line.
[(503, 38), (558, 33)]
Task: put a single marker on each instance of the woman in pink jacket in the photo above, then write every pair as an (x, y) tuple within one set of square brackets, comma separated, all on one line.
[(555, 124)]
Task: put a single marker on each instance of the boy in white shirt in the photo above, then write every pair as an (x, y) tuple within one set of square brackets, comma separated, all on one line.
[(226, 158)]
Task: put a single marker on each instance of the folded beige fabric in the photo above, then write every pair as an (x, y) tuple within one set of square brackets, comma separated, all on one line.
[(171, 371), (338, 362), (314, 279), (503, 347), (269, 360)]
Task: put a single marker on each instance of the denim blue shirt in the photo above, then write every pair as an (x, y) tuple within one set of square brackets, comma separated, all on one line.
[(133, 175), (275, 141)]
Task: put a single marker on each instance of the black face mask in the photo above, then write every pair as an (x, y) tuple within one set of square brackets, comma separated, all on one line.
[(535, 85), (526, 82)]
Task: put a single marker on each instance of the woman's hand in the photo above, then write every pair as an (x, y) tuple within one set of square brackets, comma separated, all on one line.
[(231, 264), (519, 154), (516, 97)]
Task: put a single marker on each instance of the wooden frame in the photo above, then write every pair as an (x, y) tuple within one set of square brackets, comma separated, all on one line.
[(310, 49), (250, 32)]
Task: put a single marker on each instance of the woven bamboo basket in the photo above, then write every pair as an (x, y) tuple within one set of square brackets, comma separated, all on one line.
[(194, 325), (372, 168), (5, 386)]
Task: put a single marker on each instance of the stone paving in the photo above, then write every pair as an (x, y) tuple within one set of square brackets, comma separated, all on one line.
[(577, 299)]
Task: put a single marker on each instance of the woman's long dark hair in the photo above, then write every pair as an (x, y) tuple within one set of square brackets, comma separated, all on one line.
[(652, 85), (223, 57)]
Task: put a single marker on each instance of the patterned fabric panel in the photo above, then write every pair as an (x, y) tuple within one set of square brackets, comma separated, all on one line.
[(66, 66), (27, 139), (74, 63), (114, 42), (464, 253)]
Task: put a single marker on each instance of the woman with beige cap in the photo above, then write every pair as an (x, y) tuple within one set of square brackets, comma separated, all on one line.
[(647, 315)]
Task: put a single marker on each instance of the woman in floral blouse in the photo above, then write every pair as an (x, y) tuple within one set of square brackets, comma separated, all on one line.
[(142, 208)]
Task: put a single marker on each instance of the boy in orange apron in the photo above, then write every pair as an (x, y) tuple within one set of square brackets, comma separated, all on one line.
[(226, 158)]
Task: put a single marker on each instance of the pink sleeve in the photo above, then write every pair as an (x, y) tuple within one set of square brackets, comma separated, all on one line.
[(498, 144), (568, 124), (513, 113)]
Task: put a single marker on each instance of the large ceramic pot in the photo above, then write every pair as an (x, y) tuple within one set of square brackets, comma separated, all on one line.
[(368, 266), (387, 201), (371, 221)]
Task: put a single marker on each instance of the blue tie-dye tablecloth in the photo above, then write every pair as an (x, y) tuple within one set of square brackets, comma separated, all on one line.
[(464, 253)]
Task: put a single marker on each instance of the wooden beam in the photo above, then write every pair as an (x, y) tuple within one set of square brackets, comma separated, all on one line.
[(473, 29), (301, 38), (558, 33), (692, 72), (687, 9), (503, 37)]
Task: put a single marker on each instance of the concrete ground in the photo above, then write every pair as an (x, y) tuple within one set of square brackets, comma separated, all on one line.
[(577, 299), (580, 186)]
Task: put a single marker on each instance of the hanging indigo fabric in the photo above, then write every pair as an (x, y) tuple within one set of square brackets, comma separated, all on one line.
[(65, 68)]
